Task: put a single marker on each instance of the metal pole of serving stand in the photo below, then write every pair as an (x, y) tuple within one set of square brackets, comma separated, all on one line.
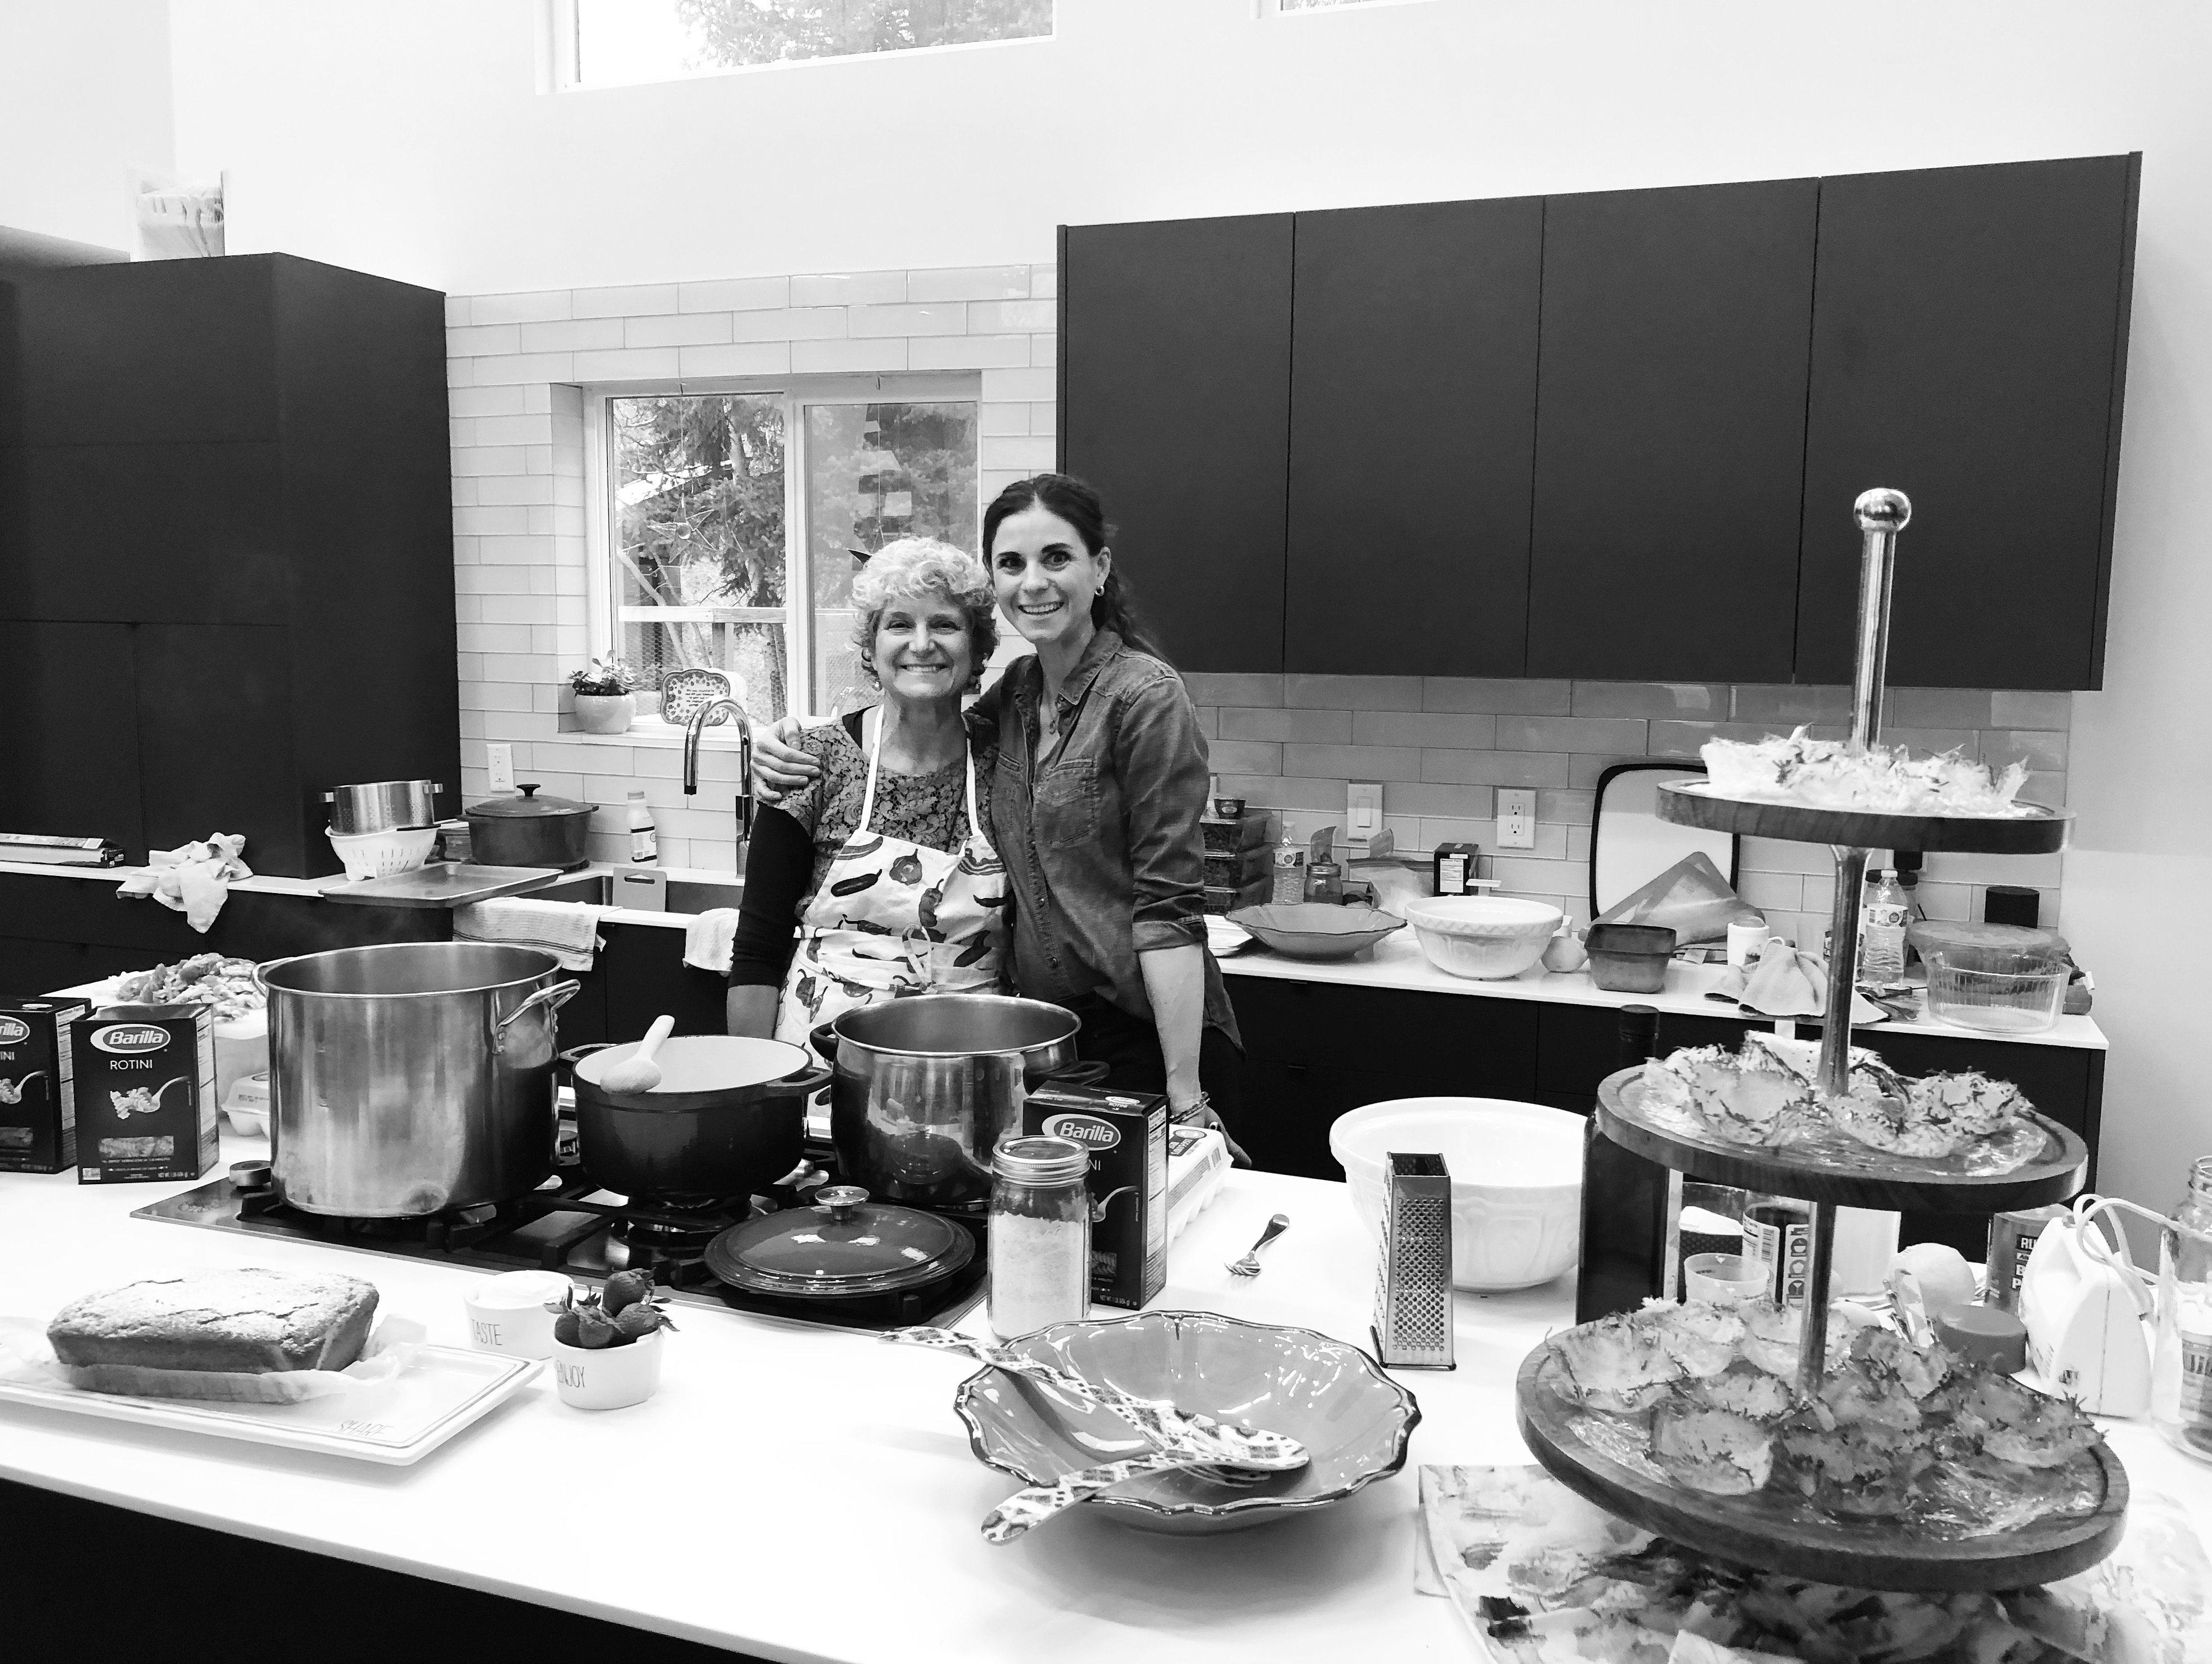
[(1882, 514)]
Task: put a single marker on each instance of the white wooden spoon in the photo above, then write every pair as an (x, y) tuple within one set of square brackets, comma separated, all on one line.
[(638, 1072)]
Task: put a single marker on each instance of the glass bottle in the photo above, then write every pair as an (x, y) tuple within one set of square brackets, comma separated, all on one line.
[(1040, 1235), (2181, 1367)]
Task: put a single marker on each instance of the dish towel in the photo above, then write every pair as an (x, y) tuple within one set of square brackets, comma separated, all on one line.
[(569, 932), (706, 939), (193, 878), (1788, 982)]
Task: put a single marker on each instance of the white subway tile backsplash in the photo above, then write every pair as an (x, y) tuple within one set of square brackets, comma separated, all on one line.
[(587, 334), (742, 294), (518, 308), (534, 366), (968, 352), (849, 289), (1028, 455), (1679, 699), (969, 283), (693, 329), (1030, 384), (484, 401), (989, 317), (1354, 693), (826, 357), (789, 324), (482, 340), (1383, 762), (1515, 768), (1423, 728), (1233, 688), (745, 358), (1570, 733), (626, 364), (1497, 697), (946, 318), (1308, 727), (631, 302)]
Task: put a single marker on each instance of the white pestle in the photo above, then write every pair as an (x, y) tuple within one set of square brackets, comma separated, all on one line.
[(638, 1072)]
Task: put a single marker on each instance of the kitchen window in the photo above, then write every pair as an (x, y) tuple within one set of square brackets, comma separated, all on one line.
[(619, 43), (728, 521)]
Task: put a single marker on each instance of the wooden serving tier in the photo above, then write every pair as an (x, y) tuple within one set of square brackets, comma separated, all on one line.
[(1776, 1531), (1693, 803), (1842, 1170)]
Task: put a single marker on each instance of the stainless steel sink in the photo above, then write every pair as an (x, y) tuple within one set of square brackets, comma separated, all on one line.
[(685, 896)]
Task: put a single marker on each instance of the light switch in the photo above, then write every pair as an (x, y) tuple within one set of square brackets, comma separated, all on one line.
[(1516, 820), (499, 760), (1363, 808)]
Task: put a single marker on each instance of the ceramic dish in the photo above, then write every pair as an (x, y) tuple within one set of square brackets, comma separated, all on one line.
[(1354, 1421), (1316, 930), (1482, 936)]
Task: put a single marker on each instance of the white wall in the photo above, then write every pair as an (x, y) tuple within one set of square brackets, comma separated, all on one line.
[(407, 138), (84, 96)]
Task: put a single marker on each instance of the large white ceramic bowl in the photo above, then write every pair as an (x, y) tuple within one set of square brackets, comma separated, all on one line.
[(1485, 936), (1516, 1180)]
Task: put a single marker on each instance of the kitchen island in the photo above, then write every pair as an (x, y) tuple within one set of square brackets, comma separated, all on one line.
[(797, 1493)]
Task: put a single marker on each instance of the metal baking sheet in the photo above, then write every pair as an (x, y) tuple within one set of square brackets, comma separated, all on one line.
[(445, 883)]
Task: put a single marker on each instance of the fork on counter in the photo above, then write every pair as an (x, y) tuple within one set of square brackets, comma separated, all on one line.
[(1249, 1265)]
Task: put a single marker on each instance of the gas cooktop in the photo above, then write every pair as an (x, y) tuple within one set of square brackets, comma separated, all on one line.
[(572, 1226)]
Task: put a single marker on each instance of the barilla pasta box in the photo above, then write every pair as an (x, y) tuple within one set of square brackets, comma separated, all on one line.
[(145, 1093), (38, 1094), (1126, 1134)]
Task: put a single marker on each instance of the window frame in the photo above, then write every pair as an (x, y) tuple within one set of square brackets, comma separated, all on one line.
[(603, 594), (562, 50)]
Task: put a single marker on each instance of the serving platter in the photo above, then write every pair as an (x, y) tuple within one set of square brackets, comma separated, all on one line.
[(1595, 1456), (1842, 1170), (1694, 803), (396, 1422)]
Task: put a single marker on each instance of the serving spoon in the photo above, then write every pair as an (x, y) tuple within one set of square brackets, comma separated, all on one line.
[(638, 1072)]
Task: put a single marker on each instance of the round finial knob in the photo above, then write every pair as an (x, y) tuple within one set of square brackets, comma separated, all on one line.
[(1883, 510), (842, 1200)]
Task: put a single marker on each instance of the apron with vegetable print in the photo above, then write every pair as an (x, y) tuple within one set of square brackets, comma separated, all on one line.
[(895, 918)]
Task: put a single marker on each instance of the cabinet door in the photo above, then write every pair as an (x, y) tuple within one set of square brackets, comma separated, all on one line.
[(1968, 349), (1174, 398), (1671, 431), (1413, 438), (215, 740), (69, 761)]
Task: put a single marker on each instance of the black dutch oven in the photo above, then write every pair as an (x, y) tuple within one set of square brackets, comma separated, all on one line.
[(727, 1118), (530, 831)]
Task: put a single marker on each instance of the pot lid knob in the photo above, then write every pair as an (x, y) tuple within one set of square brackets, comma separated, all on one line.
[(529, 791), (843, 1200)]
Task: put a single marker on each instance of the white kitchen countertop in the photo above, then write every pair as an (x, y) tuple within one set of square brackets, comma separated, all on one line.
[(832, 1496), (1397, 961)]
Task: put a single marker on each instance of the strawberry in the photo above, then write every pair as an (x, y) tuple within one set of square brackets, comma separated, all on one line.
[(625, 1288), (567, 1329)]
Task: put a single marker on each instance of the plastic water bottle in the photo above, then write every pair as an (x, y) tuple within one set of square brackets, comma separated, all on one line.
[(644, 837), (1882, 921)]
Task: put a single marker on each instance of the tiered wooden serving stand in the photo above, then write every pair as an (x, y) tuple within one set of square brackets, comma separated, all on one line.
[(1769, 1529)]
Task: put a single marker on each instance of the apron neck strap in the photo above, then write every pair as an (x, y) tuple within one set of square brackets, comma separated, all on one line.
[(875, 762)]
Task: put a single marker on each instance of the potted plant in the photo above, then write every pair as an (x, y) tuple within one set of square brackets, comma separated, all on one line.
[(606, 1346), (606, 700)]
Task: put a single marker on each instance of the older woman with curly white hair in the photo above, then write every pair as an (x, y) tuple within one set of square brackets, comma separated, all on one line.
[(878, 878)]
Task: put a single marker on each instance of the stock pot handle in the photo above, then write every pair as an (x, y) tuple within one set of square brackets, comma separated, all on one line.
[(797, 1086), (552, 997)]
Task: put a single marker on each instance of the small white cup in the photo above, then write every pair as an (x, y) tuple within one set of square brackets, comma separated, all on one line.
[(1722, 1279), (608, 1377), (507, 1313), (1745, 943)]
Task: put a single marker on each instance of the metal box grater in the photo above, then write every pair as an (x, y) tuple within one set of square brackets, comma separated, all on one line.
[(1413, 1273)]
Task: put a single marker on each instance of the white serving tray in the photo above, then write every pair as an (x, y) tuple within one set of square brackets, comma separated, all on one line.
[(395, 1422)]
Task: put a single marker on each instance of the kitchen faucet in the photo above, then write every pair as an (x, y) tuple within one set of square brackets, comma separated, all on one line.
[(691, 732)]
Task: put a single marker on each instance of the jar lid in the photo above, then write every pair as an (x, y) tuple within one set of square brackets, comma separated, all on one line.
[(1036, 1159), (528, 806), (843, 1245), (1983, 1334)]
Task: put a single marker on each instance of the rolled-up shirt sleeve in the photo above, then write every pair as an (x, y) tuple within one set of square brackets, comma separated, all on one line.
[(1161, 760)]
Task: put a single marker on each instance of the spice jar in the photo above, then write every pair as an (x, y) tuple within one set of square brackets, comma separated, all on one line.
[(1040, 1233)]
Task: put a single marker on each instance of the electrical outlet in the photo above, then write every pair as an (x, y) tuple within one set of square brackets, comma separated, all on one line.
[(1362, 809), (1516, 820), (500, 760)]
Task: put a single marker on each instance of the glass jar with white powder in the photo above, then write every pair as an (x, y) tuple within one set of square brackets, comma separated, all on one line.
[(1040, 1235)]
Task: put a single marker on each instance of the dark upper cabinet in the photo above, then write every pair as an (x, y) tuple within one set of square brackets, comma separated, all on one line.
[(214, 727), (1413, 438), (1175, 382), (1969, 343), (69, 752), (1671, 431)]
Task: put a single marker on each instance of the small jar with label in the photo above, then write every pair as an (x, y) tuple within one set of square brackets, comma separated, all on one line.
[(1040, 1235), (2181, 1366)]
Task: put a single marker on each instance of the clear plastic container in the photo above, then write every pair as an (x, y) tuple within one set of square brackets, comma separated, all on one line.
[(1997, 1002)]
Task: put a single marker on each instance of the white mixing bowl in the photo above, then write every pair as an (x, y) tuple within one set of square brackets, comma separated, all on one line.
[(1487, 936), (1516, 1180)]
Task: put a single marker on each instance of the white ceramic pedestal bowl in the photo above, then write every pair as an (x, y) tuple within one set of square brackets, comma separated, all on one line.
[(1481, 936), (1516, 1173)]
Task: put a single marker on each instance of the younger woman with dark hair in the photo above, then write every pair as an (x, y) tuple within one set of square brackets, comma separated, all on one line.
[(1100, 779)]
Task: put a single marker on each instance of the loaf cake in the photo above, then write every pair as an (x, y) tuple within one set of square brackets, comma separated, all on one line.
[(250, 1321)]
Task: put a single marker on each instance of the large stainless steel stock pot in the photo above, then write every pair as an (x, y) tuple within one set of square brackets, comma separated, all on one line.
[(927, 1086), (411, 1078)]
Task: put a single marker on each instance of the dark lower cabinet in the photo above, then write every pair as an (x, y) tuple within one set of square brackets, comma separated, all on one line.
[(1413, 438), (1969, 348), (1175, 384), (1671, 431)]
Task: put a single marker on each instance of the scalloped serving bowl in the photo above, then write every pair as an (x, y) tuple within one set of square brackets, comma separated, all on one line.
[(1481, 936), (1354, 1420), (1316, 930)]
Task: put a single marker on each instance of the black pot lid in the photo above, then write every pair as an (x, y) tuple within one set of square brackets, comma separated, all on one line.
[(528, 806), (843, 1245)]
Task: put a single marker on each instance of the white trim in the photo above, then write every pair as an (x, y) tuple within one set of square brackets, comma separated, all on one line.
[(1266, 8)]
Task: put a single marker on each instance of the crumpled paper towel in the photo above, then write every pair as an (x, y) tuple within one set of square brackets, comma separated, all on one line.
[(1788, 982), (194, 878)]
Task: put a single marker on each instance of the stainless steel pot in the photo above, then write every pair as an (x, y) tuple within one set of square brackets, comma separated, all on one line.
[(727, 1120), (383, 805), (413, 1078), (926, 1087), (530, 831)]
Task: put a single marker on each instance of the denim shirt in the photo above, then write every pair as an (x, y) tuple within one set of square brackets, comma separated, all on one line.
[(1100, 834)]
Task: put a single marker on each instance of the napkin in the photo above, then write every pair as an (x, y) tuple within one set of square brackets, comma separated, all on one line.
[(1788, 982), (707, 939), (193, 878), (570, 933)]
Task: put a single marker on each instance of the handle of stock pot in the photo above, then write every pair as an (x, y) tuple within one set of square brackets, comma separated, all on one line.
[(1082, 1072), (799, 1086), (260, 978), (551, 998)]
